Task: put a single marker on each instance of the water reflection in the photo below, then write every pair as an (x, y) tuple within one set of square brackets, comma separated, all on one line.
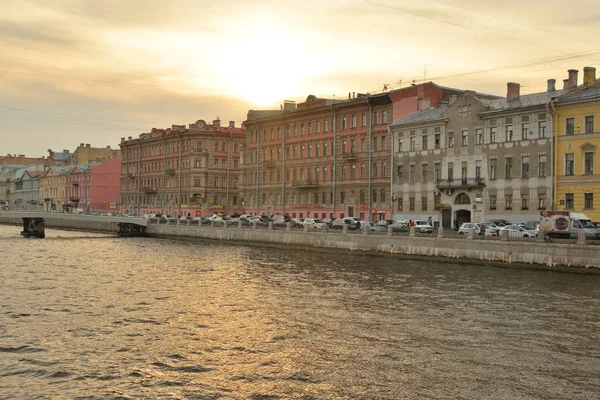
[(124, 318)]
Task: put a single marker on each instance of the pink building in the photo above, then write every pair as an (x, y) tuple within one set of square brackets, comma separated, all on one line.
[(105, 184)]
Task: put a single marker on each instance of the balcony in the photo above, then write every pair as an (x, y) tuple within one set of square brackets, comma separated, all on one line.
[(130, 175), (306, 184), (149, 190), (170, 171), (350, 155), (464, 183), (75, 184), (74, 199), (269, 163)]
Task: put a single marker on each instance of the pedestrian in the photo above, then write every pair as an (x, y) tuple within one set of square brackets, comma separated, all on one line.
[(482, 230), (430, 221)]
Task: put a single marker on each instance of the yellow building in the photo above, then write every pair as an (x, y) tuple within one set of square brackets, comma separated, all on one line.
[(52, 187), (85, 153), (577, 133)]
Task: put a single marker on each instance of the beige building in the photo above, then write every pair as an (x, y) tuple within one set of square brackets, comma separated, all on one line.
[(53, 186), (475, 158), (85, 153)]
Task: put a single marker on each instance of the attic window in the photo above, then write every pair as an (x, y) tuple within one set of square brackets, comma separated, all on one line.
[(541, 116), (508, 121), (525, 118)]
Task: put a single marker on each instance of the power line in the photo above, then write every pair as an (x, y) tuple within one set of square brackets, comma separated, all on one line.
[(66, 118), (459, 25), (514, 22)]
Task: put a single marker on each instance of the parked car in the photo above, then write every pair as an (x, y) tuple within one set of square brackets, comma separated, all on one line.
[(314, 223), (349, 222), (400, 226), (465, 227), (385, 222), (500, 222), (516, 231), (202, 220), (374, 227), (422, 226), (328, 221)]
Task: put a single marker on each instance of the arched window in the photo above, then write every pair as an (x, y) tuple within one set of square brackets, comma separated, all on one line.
[(462, 199)]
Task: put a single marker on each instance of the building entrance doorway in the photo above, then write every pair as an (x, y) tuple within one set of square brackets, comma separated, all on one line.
[(351, 211), (462, 216), (447, 218)]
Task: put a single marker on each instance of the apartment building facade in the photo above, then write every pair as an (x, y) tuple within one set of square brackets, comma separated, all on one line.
[(479, 157), (183, 170), (577, 139), (326, 158)]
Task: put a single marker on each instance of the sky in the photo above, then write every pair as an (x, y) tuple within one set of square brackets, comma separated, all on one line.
[(93, 71)]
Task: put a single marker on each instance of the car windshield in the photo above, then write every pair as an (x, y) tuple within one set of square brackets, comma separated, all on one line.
[(587, 223)]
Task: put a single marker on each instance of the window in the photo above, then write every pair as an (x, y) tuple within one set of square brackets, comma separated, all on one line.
[(399, 176), (588, 201), (374, 145), (451, 140), (542, 201), (362, 196), (344, 123), (450, 171), (509, 167), (542, 165), (492, 201), (424, 203), (353, 171), (344, 172), (437, 168), (478, 136), (589, 163), (569, 201), (524, 131), (524, 202), (317, 149), (325, 127), (589, 124), (423, 173), (570, 128), (525, 167), (478, 169), (400, 204), (465, 138), (384, 117), (411, 174), (363, 119), (374, 196), (493, 168), (342, 197), (493, 132), (508, 201), (318, 127), (463, 173), (509, 133), (374, 170), (411, 203), (363, 173), (569, 164), (383, 169), (382, 195), (437, 140), (353, 121), (542, 129), (375, 118), (413, 144)]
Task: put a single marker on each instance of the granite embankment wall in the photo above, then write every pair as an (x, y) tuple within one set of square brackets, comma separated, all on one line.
[(551, 256), (573, 257), (94, 226)]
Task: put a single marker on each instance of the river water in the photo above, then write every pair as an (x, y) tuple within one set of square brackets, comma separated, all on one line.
[(95, 316)]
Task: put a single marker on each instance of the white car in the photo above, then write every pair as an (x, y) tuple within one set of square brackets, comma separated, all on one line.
[(516, 231), (465, 227), (314, 223), (423, 227)]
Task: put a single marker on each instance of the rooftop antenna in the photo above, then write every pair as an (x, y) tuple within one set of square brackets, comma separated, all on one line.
[(385, 87), (425, 71)]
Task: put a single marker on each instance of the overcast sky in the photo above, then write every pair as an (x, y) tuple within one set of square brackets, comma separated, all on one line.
[(94, 71)]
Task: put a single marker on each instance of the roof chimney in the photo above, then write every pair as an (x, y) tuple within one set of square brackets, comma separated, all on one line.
[(108, 147), (217, 123), (349, 95), (513, 90), (289, 105), (65, 151), (353, 95), (551, 85), (573, 78), (87, 145), (565, 84), (80, 144), (232, 124), (589, 76)]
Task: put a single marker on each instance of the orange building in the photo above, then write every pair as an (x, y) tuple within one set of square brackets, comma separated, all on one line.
[(328, 158), (183, 170)]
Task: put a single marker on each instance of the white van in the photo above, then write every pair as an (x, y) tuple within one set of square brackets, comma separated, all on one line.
[(565, 224), (422, 226)]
